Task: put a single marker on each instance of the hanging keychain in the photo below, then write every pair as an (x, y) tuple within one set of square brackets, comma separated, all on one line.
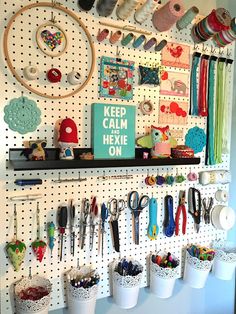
[(16, 248), (39, 246)]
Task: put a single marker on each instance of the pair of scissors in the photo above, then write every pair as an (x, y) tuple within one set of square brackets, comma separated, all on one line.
[(93, 215), (194, 207), (84, 213), (115, 207), (207, 206), (104, 216), (137, 204)]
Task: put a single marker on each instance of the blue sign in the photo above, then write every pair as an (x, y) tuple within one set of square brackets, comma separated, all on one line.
[(113, 131)]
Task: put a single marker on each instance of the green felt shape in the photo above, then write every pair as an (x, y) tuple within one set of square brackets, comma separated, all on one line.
[(22, 115), (145, 141)]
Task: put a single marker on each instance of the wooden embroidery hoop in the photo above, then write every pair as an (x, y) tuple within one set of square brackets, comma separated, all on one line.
[(10, 65), (43, 47)]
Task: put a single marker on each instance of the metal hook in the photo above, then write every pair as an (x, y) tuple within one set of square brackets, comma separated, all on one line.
[(221, 51), (213, 50), (53, 19), (195, 47), (204, 49), (228, 53), (117, 51)]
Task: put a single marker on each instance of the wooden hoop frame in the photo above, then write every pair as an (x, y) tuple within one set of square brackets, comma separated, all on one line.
[(10, 65), (41, 46)]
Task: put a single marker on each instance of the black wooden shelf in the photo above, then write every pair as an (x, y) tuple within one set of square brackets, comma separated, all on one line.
[(18, 161)]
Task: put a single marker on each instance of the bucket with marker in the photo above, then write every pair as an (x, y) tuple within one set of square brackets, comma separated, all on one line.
[(127, 276), (33, 295), (225, 260), (164, 270), (82, 288), (198, 263)]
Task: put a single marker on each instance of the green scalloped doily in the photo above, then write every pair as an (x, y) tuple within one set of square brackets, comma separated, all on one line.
[(22, 115)]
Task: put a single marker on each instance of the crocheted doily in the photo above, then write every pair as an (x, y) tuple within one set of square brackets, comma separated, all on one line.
[(196, 139), (22, 115)]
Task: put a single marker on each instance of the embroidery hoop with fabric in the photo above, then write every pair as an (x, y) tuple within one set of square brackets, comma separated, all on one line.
[(43, 46)]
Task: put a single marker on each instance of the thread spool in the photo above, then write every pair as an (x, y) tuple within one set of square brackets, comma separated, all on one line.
[(86, 5), (115, 37), (102, 34), (127, 39), (187, 18), (138, 42), (164, 18), (151, 42), (142, 13), (221, 195), (106, 7), (161, 45), (126, 8)]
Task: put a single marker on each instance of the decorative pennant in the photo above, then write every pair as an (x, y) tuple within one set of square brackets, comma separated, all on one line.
[(174, 84), (173, 112), (176, 55)]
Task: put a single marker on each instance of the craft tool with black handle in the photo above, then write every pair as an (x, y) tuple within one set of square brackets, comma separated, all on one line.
[(62, 222)]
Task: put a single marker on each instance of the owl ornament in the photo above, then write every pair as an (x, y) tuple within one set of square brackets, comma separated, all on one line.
[(159, 140)]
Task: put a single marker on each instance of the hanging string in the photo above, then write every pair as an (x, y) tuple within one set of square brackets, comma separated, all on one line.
[(210, 157), (226, 112), (15, 224), (38, 222), (219, 111), (194, 85)]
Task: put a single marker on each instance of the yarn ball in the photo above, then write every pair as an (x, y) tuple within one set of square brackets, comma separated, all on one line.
[(160, 180), (169, 180)]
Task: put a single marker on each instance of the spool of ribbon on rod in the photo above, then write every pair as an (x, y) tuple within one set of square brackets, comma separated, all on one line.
[(143, 12), (164, 18), (187, 18), (126, 8), (105, 7), (218, 20), (226, 37)]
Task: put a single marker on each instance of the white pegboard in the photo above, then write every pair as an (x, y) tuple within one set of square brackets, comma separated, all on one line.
[(23, 49)]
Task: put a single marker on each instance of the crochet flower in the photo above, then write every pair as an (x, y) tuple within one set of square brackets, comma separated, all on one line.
[(22, 115)]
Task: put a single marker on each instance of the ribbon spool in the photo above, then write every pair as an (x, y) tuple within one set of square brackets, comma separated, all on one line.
[(146, 107), (127, 39), (221, 196), (187, 18), (226, 37), (143, 12), (161, 45), (125, 9), (151, 42), (86, 5), (105, 7), (218, 20), (164, 18), (31, 72), (223, 217), (138, 42), (115, 37), (102, 34)]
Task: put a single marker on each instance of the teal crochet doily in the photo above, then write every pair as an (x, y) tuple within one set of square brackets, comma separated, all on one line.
[(22, 115), (196, 139)]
